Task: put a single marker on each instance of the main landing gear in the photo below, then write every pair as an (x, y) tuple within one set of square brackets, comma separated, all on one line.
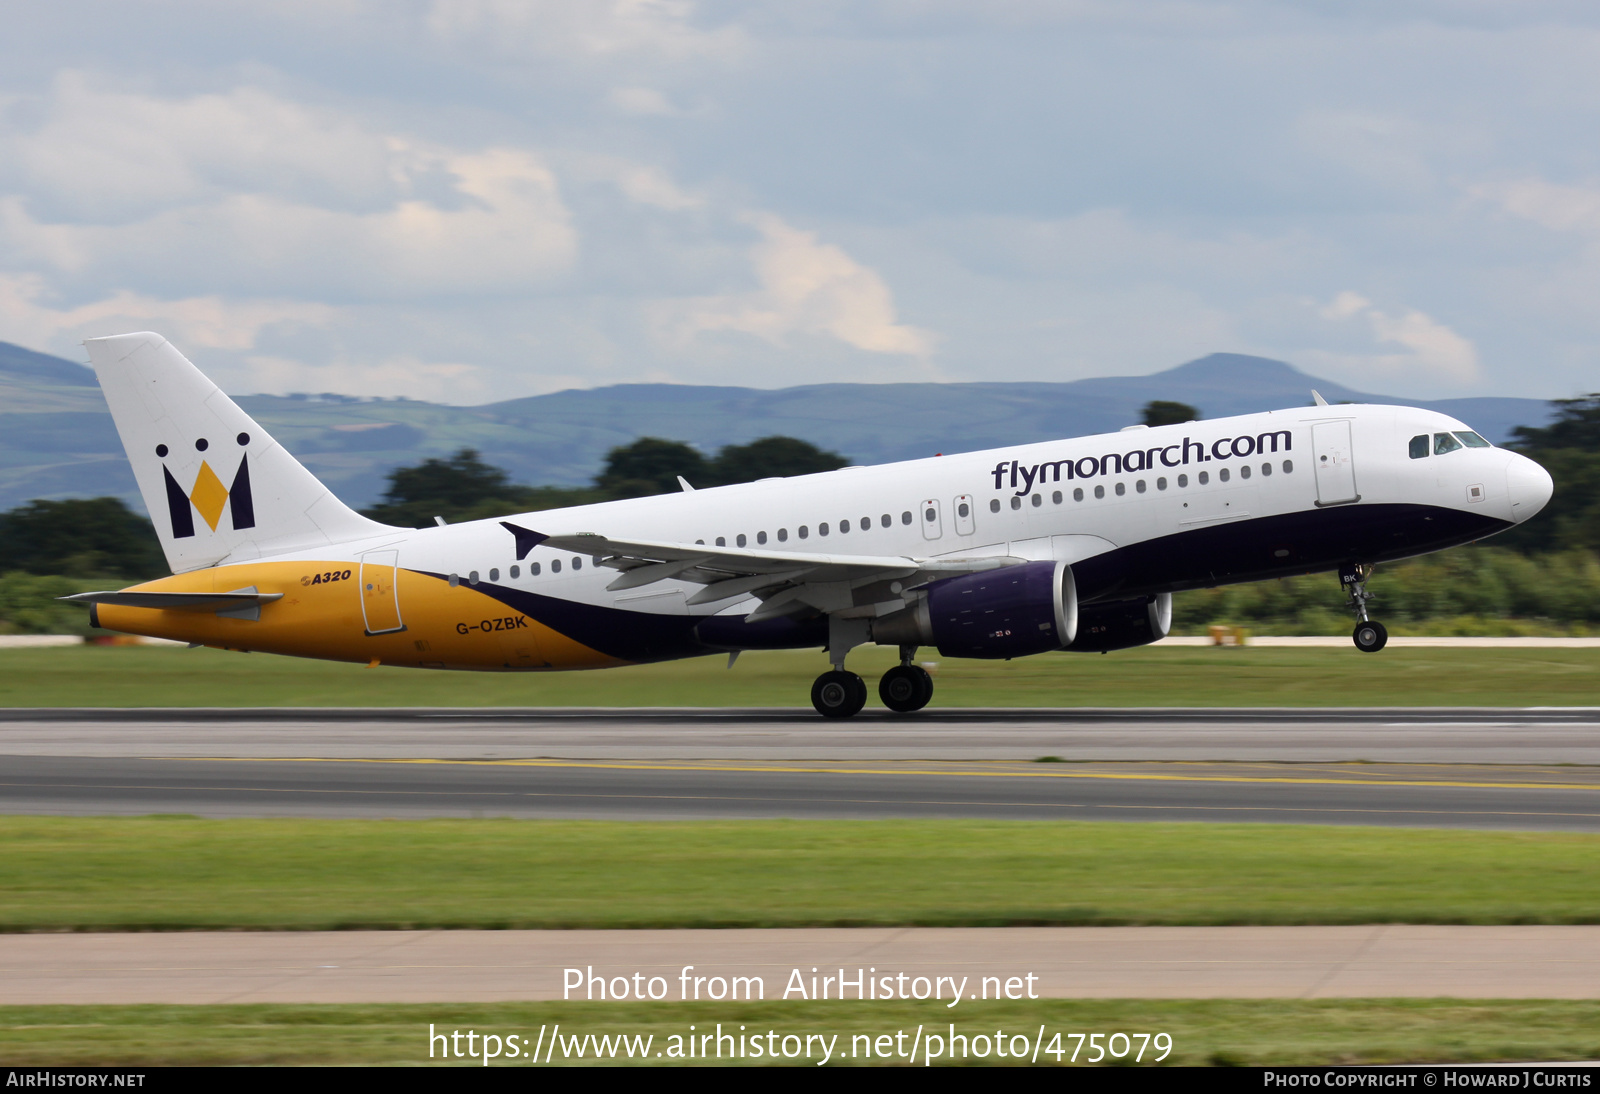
[(1370, 636), (903, 689), (839, 694), (906, 687)]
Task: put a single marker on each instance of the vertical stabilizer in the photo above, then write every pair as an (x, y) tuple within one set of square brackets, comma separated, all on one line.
[(218, 487)]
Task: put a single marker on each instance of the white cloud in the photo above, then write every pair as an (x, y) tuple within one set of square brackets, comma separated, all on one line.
[(1345, 305), (401, 375), (1432, 345), (660, 28), (807, 287), (1433, 349), (642, 101), (1553, 205), (652, 186), (108, 156), (206, 321), (508, 231)]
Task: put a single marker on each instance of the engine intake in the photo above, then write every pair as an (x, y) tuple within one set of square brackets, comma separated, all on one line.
[(1122, 624), (1010, 612)]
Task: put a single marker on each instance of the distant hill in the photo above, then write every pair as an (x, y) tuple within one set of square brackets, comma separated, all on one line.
[(57, 440)]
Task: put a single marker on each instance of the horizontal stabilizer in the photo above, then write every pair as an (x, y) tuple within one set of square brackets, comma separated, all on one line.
[(176, 602)]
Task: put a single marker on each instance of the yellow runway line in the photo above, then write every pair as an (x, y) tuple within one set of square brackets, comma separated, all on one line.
[(1317, 780)]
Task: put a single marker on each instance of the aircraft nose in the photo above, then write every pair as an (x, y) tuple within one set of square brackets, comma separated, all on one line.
[(1529, 487)]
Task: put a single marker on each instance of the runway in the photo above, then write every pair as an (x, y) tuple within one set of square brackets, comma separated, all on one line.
[(1465, 768), (1288, 735), (1394, 960)]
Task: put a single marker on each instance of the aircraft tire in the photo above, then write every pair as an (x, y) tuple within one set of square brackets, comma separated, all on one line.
[(906, 688), (839, 694), (1370, 637)]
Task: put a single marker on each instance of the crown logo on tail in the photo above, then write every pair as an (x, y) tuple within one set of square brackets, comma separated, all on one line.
[(210, 497)]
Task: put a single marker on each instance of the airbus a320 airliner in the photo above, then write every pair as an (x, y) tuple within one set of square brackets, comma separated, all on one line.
[(1071, 545)]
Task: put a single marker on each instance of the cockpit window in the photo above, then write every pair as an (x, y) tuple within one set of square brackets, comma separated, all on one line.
[(1419, 446), (1471, 439), (1444, 442)]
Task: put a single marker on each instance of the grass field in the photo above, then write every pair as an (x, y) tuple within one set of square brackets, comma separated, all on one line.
[(168, 676), (66, 873), (1258, 1032)]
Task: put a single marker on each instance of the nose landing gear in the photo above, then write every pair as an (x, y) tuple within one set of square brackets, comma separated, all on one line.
[(1370, 636)]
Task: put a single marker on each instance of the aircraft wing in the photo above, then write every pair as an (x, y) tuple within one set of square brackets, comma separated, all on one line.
[(784, 581)]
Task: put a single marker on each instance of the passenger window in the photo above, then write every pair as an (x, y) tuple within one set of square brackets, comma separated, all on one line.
[(761, 537), (1099, 491), (494, 574), (472, 578), (885, 521), (1288, 466), (1244, 472), (1444, 442), (1121, 489), (1038, 500), (1183, 480), (533, 569), (1223, 475), (739, 539), (722, 541), (783, 535), (1016, 503), (1139, 486), (994, 505), (822, 529), (555, 565), (577, 563), (1077, 493), (1161, 483), (844, 526), (1419, 446), (905, 517), (1056, 497), (1266, 469), (1471, 439), (455, 579), (866, 522), (1203, 478), (965, 510), (804, 531), (516, 572)]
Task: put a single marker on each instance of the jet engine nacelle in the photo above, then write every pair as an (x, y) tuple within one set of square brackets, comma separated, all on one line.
[(1009, 612), (1122, 624)]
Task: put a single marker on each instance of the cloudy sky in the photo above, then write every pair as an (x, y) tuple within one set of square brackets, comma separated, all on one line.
[(467, 200)]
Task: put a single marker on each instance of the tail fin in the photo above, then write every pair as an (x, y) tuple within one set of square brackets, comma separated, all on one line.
[(217, 486)]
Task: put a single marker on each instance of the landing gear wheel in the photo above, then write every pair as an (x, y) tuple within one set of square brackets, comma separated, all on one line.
[(838, 694), (1370, 636), (906, 688)]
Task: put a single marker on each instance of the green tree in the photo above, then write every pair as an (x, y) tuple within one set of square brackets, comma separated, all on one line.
[(650, 465), (1568, 448), (81, 536), (1161, 412), (462, 487), (771, 457)]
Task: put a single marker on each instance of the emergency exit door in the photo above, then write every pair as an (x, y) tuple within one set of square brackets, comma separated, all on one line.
[(380, 592), (1331, 456)]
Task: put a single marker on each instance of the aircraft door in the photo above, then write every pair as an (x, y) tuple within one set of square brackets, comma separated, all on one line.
[(1330, 453), (380, 592), (932, 524), (963, 508)]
